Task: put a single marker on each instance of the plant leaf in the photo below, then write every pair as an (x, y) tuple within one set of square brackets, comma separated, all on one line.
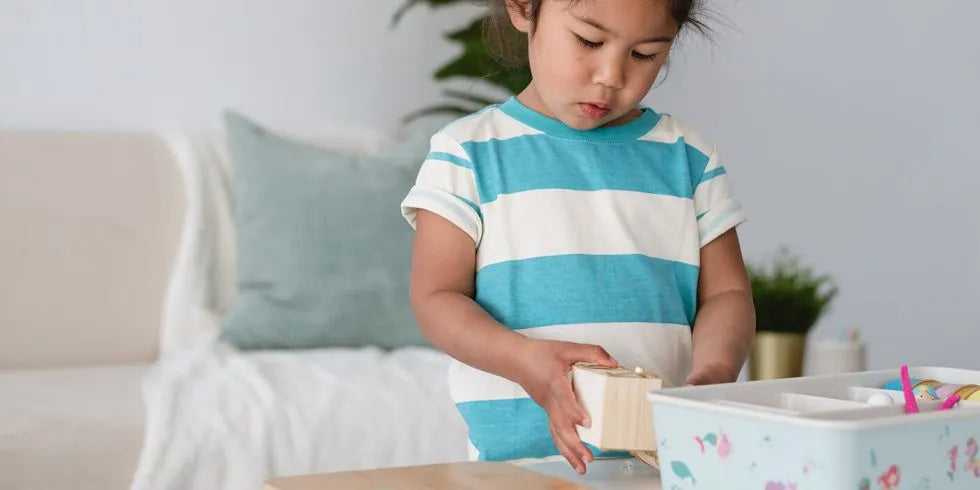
[(788, 296), (475, 61), (468, 97), (452, 109), (397, 17)]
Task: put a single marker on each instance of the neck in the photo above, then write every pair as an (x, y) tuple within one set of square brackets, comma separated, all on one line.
[(532, 100)]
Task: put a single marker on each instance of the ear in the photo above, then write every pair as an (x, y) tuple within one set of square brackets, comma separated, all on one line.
[(520, 14)]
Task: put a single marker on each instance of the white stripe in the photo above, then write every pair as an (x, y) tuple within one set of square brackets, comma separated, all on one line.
[(450, 177), (726, 216), (713, 161), (490, 124), (711, 192), (549, 222), (445, 143), (669, 129), (468, 384), (663, 349), (445, 205)]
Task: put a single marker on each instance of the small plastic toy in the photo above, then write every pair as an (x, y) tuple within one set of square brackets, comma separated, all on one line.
[(922, 392)]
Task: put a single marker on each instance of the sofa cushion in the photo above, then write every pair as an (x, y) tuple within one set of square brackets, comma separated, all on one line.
[(323, 258), (79, 429), (91, 222)]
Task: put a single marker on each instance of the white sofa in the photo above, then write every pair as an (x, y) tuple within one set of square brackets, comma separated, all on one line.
[(91, 225)]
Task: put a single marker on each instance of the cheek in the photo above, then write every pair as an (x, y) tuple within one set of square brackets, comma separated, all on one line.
[(558, 63), (643, 77)]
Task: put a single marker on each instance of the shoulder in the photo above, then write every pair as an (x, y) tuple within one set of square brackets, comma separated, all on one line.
[(489, 123), (673, 130)]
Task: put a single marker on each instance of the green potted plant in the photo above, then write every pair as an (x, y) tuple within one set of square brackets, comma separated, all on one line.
[(475, 62), (789, 298)]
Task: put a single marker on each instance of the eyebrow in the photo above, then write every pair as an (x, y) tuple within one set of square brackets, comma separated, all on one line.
[(597, 25)]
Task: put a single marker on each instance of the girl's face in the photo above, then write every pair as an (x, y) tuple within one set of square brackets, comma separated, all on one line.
[(592, 61)]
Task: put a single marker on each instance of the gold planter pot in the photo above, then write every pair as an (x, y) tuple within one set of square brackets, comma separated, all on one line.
[(777, 355)]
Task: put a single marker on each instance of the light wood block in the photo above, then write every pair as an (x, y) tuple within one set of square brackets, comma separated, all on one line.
[(461, 476), (616, 401)]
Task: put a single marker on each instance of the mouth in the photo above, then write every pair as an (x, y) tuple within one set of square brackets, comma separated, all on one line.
[(594, 110)]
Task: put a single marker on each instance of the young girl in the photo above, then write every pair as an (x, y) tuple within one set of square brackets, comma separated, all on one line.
[(570, 225)]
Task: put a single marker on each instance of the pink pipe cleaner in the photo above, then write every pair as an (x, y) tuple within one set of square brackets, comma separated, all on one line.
[(949, 402), (910, 405)]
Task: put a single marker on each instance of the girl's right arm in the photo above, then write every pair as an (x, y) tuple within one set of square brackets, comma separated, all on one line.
[(442, 291)]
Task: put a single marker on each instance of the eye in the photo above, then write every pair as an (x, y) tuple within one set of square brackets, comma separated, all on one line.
[(589, 44), (644, 57)]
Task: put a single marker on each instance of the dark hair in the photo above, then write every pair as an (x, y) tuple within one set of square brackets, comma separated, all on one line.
[(509, 46)]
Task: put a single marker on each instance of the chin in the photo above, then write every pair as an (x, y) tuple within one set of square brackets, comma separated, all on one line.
[(583, 124)]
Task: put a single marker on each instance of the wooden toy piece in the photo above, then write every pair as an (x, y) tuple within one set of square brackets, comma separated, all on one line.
[(482, 475), (648, 457), (616, 401)]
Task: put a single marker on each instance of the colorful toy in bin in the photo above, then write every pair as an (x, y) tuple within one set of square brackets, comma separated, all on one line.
[(941, 389), (922, 390), (910, 404), (847, 431), (926, 393)]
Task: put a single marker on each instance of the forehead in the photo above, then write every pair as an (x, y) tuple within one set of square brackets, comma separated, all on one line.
[(627, 18)]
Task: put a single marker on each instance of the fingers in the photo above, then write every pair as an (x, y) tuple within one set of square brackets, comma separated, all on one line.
[(565, 411), (590, 353), (569, 404), (569, 445), (567, 453)]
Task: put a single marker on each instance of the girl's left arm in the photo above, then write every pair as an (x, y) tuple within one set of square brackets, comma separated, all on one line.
[(725, 324)]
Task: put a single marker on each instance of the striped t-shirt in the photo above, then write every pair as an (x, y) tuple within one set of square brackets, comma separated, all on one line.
[(583, 236)]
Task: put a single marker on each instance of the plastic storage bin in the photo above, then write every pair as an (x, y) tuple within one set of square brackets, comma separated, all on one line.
[(816, 433)]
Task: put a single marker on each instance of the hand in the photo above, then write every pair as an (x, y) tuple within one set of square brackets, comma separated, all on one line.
[(710, 374), (544, 376)]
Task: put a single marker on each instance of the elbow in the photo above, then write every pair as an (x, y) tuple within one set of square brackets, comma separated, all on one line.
[(425, 307)]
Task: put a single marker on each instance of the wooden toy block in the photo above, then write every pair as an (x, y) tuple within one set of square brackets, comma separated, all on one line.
[(616, 401)]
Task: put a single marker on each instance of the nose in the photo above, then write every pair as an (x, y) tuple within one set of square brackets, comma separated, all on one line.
[(610, 72)]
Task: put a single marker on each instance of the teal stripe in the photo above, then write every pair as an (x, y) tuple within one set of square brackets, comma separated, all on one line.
[(449, 157), (698, 217), (447, 204), (532, 162), (710, 174), (696, 160), (503, 430), (571, 289)]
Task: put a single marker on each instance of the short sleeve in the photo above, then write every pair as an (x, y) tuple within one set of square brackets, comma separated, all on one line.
[(717, 209), (446, 186)]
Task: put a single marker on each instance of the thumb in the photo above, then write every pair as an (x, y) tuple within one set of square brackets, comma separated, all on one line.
[(593, 354)]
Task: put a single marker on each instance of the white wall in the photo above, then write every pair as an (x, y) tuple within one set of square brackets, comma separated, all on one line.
[(848, 126), (850, 129), (118, 63)]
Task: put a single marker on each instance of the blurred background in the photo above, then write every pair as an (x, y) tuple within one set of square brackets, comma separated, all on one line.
[(848, 128)]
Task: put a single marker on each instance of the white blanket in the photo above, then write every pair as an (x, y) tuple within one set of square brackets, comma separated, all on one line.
[(222, 419), (202, 283)]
